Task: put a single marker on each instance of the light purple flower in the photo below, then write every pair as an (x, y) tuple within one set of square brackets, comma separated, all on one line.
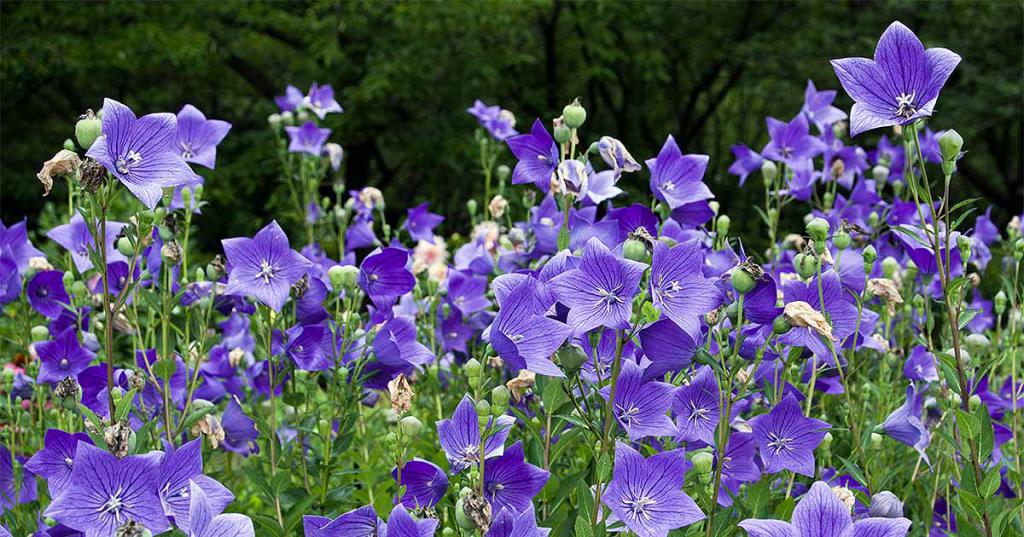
[(900, 85), (905, 423), (62, 357), (460, 436), (206, 519), (818, 107), (646, 494), (180, 473), (747, 162), (522, 334), (600, 292), (291, 99), (46, 293), (510, 482), (821, 514), (425, 483), (677, 179), (106, 491), (140, 152), (668, 347), (320, 100), (263, 267), (538, 157), (76, 239), (499, 123), (792, 142), (55, 461), (512, 523), (360, 522), (307, 139), (787, 439), (198, 137), (920, 365), (615, 154), (697, 407), (641, 406), (678, 287), (420, 223), (384, 277), (402, 524)]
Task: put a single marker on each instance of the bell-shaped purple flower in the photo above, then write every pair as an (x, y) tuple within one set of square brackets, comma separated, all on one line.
[(55, 461), (678, 287), (46, 293), (510, 482), (905, 423), (425, 483), (62, 357), (646, 494), (900, 85), (140, 152), (460, 436), (668, 347), (747, 162), (600, 292), (320, 100), (307, 139), (198, 137), (818, 107), (291, 99), (538, 157), (384, 277), (264, 267), (522, 334), (240, 432), (787, 438), (207, 520), (360, 522), (180, 473), (499, 123), (677, 179), (512, 523), (920, 365), (697, 407), (641, 407), (420, 223), (76, 239)]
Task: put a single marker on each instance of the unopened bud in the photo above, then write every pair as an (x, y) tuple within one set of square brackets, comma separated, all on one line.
[(343, 276), (503, 172), (635, 250), (876, 441), (574, 114), (781, 325), (500, 396), (410, 426), (880, 173), (722, 225), (88, 129), (889, 267), (471, 206), (703, 462), (473, 369), (885, 505), (817, 229), (769, 171), (40, 333), (841, 239), (999, 302), (124, 246), (950, 144)]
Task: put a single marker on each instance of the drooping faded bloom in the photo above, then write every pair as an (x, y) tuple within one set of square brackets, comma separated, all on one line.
[(499, 123), (140, 152), (264, 267), (425, 483), (820, 513), (641, 407), (510, 482), (420, 223), (207, 520), (180, 473), (240, 432), (55, 461), (900, 85), (615, 154), (76, 239), (678, 287), (460, 436), (384, 277), (62, 357), (792, 143), (46, 293), (307, 139), (521, 333), (600, 292), (320, 100), (696, 406), (360, 522), (677, 179), (787, 439), (538, 157), (198, 137), (905, 424), (646, 494), (105, 492), (818, 107)]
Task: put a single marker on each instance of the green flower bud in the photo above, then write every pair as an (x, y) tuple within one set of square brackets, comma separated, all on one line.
[(343, 276), (880, 173), (722, 224), (714, 206), (500, 396), (571, 358), (870, 254), (79, 290), (88, 129), (889, 267), (703, 462), (200, 274), (999, 302), (963, 242), (40, 333), (876, 441), (460, 516), (503, 172), (473, 369), (806, 265), (827, 200), (471, 206), (124, 246), (978, 343), (817, 229), (391, 440), (841, 239), (483, 411), (974, 402), (574, 114), (742, 281), (769, 171), (781, 325), (410, 426), (635, 250), (561, 134), (826, 443), (950, 144), (69, 280), (69, 144), (873, 219)]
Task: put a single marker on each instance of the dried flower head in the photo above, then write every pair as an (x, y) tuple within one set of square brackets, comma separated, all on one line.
[(92, 174), (63, 163), (846, 496), (801, 314), (520, 385), (117, 437), (497, 206), (210, 427), (888, 290), (401, 394)]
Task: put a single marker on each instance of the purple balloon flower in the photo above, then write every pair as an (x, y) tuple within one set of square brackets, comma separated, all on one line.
[(787, 439), (676, 179), (240, 432), (900, 85), (696, 406), (76, 239), (510, 523), (920, 365), (678, 287), (600, 292), (905, 423), (421, 223), (320, 100), (499, 123), (511, 482), (838, 309), (206, 519), (460, 436), (384, 277), (106, 491), (402, 524), (522, 334), (307, 139), (538, 157), (180, 472), (668, 347), (646, 494), (264, 267), (27, 487), (140, 152), (198, 137), (360, 522), (792, 143), (291, 100), (818, 107), (821, 514), (425, 483), (46, 293), (55, 461), (747, 162), (62, 357), (640, 407)]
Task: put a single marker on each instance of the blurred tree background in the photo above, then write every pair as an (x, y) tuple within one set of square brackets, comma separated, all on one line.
[(405, 72)]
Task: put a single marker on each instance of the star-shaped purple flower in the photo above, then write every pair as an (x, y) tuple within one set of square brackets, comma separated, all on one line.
[(75, 238), (55, 461), (291, 99), (460, 436), (425, 483), (821, 514), (678, 287), (307, 139), (106, 491), (421, 223), (747, 162), (46, 293), (600, 292), (646, 494), (140, 152), (641, 407), (198, 137), (499, 123), (360, 522), (792, 142), (697, 407), (180, 472), (206, 519), (818, 107), (511, 482), (384, 277), (900, 85), (787, 439), (263, 267), (677, 179), (522, 334), (905, 424), (320, 100), (62, 357), (538, 157), (402, 524)]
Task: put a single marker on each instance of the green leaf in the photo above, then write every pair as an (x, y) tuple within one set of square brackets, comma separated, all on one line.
[(990, 483), (294, 399), (164, 368), (124, 406), (966, 317), (967, 424), (553, 396), (583, 528), (853, 469)]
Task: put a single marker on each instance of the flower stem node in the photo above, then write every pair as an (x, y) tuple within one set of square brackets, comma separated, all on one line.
[(574, 114)]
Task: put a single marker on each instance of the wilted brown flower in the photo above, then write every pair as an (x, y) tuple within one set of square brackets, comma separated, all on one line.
[(401, 394), (63, 163), (519, 385), (210, 427), (888, 290), (801, 314), (497, 206), (91, 175)]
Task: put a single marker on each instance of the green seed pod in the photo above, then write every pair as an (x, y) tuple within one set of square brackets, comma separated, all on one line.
[(124, 246), (69, 144), (471, 206), (780, 325), (574, 114), (635, 250), (571, 358), (40, 333), (841, 240), (742, 281), (806, 265), (88, 129), (561, 133), (410, 426), (460, 516), (79, 290), (817, 229)]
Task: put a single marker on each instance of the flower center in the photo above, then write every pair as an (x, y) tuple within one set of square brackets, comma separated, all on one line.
[(778, 443), (905, 105), (627, 415), (114, 505), (637, 508), (186, 150), (126, 163), (697, 414), (64, 363), (67, 462), (610, 298), (266, 271), (668, 186)]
